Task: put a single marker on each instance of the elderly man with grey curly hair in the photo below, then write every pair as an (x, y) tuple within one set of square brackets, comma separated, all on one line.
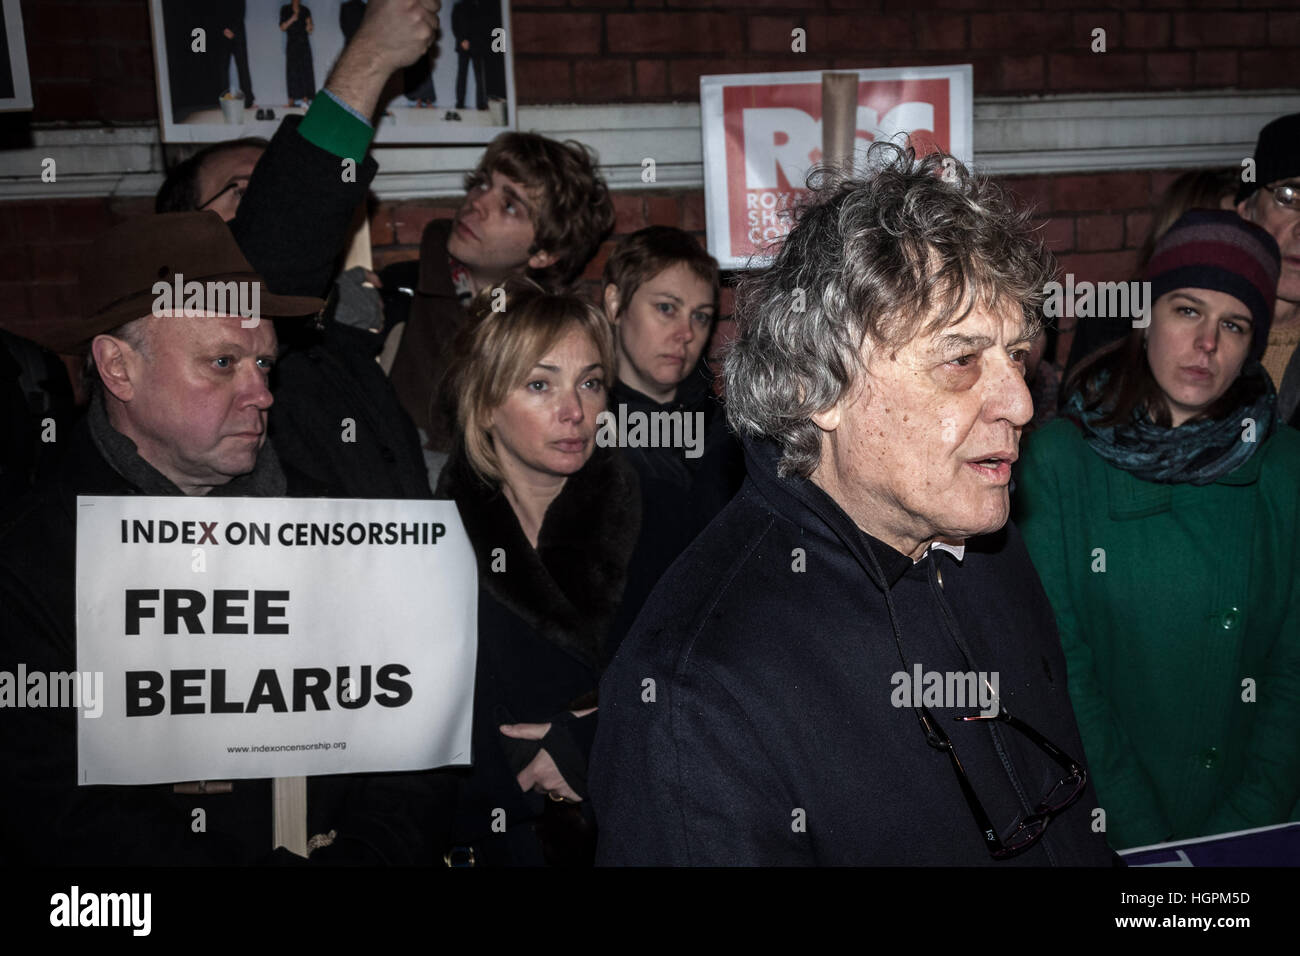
[(856, 663)]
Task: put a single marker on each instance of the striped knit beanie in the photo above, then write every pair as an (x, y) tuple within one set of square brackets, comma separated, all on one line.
[(1218, 250)]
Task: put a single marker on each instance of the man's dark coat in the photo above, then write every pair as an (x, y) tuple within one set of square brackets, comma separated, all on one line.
[(748, 720)]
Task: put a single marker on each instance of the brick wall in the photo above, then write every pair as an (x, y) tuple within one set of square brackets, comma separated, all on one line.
[(92, 60), (594, 51)]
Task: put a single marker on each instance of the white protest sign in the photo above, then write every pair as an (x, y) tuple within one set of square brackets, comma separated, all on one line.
[(763, 133), (273, 637)]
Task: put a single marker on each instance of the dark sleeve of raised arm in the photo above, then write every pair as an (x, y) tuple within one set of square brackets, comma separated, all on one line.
[(294, 219)]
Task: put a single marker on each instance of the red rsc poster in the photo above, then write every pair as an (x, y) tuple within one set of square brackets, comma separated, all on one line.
[(763, 133)]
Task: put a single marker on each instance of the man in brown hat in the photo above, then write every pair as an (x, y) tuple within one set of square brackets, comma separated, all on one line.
[(179, 407), (184, 375)]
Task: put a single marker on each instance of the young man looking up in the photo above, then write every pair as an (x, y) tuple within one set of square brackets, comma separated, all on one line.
[(534, 207)]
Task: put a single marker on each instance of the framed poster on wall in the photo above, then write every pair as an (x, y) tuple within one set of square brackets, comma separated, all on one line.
[(232, 68), (763, 133), (15, 81)]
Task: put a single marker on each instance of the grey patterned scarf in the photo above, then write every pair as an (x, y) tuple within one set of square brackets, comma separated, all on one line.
[(266, 480), (1198, 453)]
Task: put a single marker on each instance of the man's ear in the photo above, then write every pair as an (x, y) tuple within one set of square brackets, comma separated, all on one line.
[(828, 419), (1244, 209), (540, 259), (112, 366), (612, 302)]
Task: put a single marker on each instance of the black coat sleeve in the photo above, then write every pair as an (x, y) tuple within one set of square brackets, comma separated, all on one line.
[(293, 221)]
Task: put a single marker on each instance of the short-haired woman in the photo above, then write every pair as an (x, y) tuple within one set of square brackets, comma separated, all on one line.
[(1163, 515), (660, 296), (553, 519)]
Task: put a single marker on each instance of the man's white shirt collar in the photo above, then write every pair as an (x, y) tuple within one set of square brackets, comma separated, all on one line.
[(958, 551)]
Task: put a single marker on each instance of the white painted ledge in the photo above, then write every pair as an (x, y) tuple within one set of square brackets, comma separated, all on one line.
[(1013, 136)]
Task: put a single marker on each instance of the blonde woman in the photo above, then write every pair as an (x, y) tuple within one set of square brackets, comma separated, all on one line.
[(553, 519)]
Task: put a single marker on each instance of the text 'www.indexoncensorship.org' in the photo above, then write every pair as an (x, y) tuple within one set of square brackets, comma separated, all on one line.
[(276, 748)]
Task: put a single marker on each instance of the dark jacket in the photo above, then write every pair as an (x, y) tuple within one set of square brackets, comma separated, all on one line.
[(46, 818), (543, 618), (748, 720), (679, 495), (230, 13), (1288, 393), (470, 21), (436, 316), (36, 405), (293, 224), (337, 419)]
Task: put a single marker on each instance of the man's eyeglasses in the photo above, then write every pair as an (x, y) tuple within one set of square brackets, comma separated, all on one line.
[(1029, 828), (238, 185), (1287, 196)]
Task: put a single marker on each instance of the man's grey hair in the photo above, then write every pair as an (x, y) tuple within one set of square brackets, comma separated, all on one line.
[(907, 250)]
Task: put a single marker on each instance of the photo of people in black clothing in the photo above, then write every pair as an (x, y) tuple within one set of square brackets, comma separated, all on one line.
[(473, 33), (237, 67), (232, 41), (300, 78)]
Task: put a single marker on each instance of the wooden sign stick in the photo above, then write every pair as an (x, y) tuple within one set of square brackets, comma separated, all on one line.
[(839, 119)]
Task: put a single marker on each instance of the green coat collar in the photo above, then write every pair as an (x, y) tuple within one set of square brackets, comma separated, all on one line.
[(1134, 498)]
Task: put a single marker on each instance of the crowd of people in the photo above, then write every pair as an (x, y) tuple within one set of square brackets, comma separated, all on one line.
[(687, 650)]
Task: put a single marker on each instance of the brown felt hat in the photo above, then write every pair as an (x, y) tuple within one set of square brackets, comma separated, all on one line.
[(121, 268)]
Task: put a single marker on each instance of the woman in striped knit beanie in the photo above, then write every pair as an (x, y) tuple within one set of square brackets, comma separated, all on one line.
[(1162, 511)]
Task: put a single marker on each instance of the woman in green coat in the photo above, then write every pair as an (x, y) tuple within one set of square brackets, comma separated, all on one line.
[(1162, 512)]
